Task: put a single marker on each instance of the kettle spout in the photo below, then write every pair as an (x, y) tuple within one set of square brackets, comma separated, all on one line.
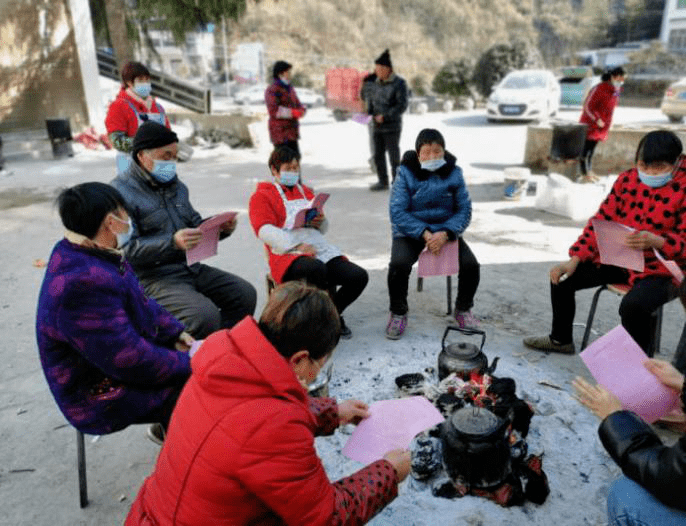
[(494, 364)]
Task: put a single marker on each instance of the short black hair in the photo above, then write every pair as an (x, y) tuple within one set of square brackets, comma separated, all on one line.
[(428, 136), (133, 70), (300, 316), (279, 67), (614, 72), (84, 207), (282, 155), (660, 146)]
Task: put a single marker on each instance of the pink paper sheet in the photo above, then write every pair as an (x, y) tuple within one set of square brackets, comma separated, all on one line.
[(392, 424), (361, 118), (671, 266), (444, 264), (317, 204), (610, 237), (210, 238), (194, 347), (616, 362)]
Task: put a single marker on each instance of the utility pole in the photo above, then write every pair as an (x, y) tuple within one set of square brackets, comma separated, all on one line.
[(226, 59)]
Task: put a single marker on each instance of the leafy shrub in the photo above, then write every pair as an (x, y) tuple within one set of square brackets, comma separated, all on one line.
[(301, 80), (499, 60), (418, 86), (453, 78)]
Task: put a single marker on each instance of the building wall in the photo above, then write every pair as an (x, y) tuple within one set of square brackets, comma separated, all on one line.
[(673, 33), (40, 75)]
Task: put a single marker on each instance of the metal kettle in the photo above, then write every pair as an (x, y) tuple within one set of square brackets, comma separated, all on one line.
[(463, 358)]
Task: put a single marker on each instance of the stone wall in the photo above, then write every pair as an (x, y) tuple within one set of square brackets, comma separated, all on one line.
[(612, 156), (40, 75)]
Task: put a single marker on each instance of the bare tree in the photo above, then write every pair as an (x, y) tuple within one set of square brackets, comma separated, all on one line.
[(122, 44)]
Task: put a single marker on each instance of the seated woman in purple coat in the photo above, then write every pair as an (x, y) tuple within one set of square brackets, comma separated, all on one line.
[(112, 357)]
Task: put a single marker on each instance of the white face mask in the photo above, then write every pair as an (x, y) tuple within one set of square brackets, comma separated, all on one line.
[(433, 164), (124, 237), (289, 179)]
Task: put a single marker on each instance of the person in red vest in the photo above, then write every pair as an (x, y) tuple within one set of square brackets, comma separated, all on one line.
[(597, 112), (284, 108), (133, 106), (240, 449)]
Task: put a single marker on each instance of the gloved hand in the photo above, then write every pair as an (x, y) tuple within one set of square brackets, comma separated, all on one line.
[(297, 113)]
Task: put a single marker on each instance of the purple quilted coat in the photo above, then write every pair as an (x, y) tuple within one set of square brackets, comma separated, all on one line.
[(106, 349)]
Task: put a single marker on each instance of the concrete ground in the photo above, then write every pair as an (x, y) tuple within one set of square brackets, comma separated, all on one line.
[(514, 242)]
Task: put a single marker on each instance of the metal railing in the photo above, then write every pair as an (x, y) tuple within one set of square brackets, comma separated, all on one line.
[(164, 86)]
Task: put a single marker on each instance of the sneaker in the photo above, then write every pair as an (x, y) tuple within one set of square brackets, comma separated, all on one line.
[(156, 433), (466, 320), (346, 333), (376, 187), (396, 326), (547, 344)]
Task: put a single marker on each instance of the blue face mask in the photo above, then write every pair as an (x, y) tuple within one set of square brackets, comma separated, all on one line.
[(143, 89), (289, 178), (124, 237), (433, 164), (655, 181), (163, 171)]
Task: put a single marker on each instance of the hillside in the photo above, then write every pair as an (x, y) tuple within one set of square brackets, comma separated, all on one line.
[(317, 34)]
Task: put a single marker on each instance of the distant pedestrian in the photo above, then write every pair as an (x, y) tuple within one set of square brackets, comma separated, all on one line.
[(133, 106), (365, 94), (284, 108), (597, 112), (386, 103)]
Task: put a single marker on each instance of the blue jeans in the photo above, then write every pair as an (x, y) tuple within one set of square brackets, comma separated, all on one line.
[(630, 505)]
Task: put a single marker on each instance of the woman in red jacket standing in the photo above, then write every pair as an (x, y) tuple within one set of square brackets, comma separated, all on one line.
[(133, 106), (284, 108), (240, 447), (597, 112)]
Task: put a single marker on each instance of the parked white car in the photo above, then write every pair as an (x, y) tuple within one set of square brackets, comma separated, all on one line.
[(309, 98), (252, 95), (524, 95)]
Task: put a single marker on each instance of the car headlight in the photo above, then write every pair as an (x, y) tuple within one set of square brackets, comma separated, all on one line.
[(493, 99)]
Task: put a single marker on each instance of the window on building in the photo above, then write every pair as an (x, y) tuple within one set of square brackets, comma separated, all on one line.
[(677, 40)]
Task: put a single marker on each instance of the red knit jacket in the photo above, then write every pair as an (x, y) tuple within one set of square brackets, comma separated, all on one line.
[(599, 104), (267, 208), (657, 210), (240, 448), (275, 96)]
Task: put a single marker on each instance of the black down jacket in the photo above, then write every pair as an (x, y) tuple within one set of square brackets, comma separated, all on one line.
[(387, 98)]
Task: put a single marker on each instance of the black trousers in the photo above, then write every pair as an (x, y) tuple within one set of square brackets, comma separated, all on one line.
[(679, 360), (386, 141), (203, 298), (405, 252), (635, 308), (587, 156), (344, 280)]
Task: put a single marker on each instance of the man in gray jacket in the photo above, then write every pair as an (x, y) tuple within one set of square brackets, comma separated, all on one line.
[(164, 222), (386, 100)]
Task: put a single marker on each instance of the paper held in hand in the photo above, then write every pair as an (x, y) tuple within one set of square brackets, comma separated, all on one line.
[(616, 362), (611, 238), (392, 424), (316, 207), (210, 238), (446, 263)]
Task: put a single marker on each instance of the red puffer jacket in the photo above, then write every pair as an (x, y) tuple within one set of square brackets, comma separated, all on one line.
[(599, 104), (661, 211), (240, 448)]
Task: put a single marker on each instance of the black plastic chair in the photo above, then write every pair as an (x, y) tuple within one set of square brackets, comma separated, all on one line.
[(621, 290), (449, 291)]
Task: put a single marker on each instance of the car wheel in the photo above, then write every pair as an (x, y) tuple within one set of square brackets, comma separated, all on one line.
[(489, 119), (675, 118)]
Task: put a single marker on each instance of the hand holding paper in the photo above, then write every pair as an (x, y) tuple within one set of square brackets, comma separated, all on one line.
[(317, 206), (392, 424), (445, 263), (611, 238), (617, 363), (207, 246)]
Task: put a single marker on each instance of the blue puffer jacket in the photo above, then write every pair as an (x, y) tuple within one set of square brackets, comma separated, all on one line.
[(435, 201)]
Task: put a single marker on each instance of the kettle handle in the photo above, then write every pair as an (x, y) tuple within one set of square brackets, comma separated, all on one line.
[(468, 332)]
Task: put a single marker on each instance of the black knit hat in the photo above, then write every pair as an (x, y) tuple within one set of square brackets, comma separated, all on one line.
[(152, 135), (384, 59), (429, 136), (279, 67)]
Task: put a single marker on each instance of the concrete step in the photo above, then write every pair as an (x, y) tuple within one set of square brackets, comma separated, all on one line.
[(25, 145)]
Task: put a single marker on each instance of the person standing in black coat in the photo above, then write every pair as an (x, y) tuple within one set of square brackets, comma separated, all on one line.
[(387, 101), (652, 490)]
